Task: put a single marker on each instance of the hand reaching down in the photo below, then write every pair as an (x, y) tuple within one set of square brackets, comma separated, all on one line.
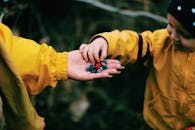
[(96, 51)]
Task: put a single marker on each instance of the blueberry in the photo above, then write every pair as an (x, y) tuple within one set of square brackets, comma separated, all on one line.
[(87, 69), (104, 61), (99, 70), (103, 64), (93, 71), (104, 67), (91, 66)]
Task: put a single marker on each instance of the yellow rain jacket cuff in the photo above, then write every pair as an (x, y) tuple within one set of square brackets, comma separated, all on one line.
[(39, 65)]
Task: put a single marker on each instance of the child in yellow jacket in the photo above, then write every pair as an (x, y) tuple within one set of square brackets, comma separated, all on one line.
[(28, 67), (169, 53)]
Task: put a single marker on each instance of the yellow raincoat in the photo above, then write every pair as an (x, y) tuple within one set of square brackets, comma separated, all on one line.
[(26, 67), (170, 89)]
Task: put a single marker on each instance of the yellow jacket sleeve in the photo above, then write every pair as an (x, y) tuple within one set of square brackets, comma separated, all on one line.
[(38, 65), (125, 44)]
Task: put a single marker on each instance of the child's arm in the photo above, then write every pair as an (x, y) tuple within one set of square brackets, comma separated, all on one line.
[(123, 44), (128, 46)]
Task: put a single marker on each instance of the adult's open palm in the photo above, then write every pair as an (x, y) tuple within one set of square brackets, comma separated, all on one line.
[(77, 66)]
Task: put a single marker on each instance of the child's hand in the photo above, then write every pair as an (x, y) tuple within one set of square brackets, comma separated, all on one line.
[(96, 51)]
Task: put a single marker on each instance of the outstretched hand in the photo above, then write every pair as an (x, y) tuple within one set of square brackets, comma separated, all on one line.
[(77, 66)]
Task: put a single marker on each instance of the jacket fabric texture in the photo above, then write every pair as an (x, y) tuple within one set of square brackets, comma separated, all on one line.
[(169, 102), (26, 67)]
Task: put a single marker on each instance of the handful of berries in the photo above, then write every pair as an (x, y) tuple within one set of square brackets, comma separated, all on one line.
[(97, 67)]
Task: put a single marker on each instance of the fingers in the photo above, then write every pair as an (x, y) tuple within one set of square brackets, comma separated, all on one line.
[(108, 73), (85, 53), (94, 52), (103, 54), (113, 67), (112, 63), (84, 50), (91, 52), (111, 71), (82, 47), (100, 75)]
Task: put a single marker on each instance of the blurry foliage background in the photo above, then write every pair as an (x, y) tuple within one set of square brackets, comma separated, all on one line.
[(103, 104)]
